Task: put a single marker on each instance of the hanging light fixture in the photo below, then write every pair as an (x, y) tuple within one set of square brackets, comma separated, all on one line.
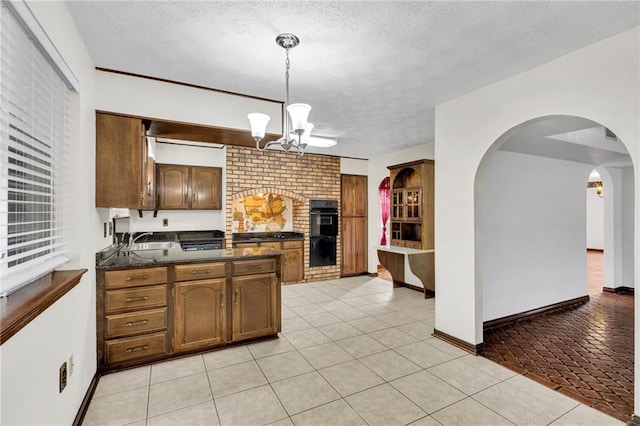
[(297, 113)]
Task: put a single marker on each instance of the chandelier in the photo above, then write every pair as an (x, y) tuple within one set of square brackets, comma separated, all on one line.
[(297, 114)]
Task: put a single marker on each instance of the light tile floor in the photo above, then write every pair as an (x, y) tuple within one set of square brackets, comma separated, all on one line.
[(352, 351)]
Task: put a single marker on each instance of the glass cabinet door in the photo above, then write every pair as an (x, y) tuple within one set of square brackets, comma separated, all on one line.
[(414, 204), (397, 197)]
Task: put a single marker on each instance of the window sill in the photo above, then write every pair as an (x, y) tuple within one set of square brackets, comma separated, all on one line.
[(23, 306)]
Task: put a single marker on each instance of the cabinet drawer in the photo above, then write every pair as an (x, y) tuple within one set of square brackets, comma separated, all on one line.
[(135, 277), (272, 244), (136, 322), (135, 347), (246, 267), (145, 297), (413, 244), (197, 271), (291, 244), (245, 245)]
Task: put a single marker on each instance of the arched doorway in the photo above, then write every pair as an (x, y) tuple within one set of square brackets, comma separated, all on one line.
[(531, 228)]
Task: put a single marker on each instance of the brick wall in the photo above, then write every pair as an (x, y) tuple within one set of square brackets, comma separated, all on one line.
[(302, 179)]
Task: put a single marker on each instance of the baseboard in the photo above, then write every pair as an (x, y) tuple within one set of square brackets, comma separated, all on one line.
[(635, 421), (372, 274), (82, 411), (465, 346), (533, 312), (619, 290)]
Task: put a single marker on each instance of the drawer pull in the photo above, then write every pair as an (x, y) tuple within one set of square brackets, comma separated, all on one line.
[(136, 299), (137, 277), (260, 266), (136, 323), (137, 349), (201, 271)]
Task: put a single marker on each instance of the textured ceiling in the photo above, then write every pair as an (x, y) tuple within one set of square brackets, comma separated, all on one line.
[(372, 71)]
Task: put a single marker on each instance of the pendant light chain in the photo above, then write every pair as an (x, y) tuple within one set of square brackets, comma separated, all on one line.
[(286, 114)]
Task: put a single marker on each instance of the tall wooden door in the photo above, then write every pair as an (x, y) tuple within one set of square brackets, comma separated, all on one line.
[(353, 229), (354, 245), (199, 314)]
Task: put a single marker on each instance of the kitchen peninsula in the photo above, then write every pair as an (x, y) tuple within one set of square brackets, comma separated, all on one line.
[(156, 301)]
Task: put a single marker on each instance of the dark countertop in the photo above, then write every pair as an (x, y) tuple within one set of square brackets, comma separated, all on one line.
[(116, 258), (257, 237)]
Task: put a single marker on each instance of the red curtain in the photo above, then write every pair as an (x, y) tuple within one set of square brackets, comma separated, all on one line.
[(385, 197)]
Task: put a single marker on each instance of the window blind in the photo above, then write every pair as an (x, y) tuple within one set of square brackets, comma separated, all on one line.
[(34, 102)]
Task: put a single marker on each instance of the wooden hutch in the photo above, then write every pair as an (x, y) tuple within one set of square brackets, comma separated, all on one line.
[(410, 257)]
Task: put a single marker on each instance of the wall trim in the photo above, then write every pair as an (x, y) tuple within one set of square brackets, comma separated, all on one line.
[(84, 406), (619, 290), (533, 312), (635, 421), (459, 343)]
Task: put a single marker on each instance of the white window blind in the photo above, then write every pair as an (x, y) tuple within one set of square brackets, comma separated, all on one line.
[(33, 151)]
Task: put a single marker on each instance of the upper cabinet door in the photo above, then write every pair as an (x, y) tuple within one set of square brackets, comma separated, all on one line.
[(189, 187), (354, 195), (206, 185), (173, 187), (120, 160)]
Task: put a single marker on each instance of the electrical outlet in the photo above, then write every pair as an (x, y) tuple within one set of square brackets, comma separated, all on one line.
[(71, 365), (104, 230), (63, 376), (110, 228), (165, 222)]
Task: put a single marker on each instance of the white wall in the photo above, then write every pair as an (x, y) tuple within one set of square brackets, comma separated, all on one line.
[(156, 99), (628, 195), (532, 232), (595, 220), (582, 84), (30, 359), (378, 171)]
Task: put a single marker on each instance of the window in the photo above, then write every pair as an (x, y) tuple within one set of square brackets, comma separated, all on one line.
[(34, 92)]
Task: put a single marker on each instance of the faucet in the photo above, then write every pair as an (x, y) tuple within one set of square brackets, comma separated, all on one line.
[(137, 237)]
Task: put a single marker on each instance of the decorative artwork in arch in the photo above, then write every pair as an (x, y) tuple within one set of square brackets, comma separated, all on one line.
[(262, 213)]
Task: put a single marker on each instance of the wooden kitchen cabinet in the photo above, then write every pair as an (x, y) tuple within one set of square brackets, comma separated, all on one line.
[(292, 257), (125, 166), (183, 187), (292, 261), (131, 316), (199, 314), (255, 308), (353, 229), (147, 314)]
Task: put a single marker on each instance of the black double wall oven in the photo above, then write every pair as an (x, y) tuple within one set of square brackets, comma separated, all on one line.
[(323, 232)]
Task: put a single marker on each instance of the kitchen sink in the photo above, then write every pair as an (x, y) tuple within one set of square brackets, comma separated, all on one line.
[(152, 245)]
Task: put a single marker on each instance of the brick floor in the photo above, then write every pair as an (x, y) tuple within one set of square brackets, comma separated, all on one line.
[(585, 352)]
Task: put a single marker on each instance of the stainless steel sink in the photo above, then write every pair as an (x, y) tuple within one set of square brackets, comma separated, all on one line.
[(153, 245)]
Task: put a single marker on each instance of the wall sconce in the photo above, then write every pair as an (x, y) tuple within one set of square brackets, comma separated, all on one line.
[(598, 186)]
